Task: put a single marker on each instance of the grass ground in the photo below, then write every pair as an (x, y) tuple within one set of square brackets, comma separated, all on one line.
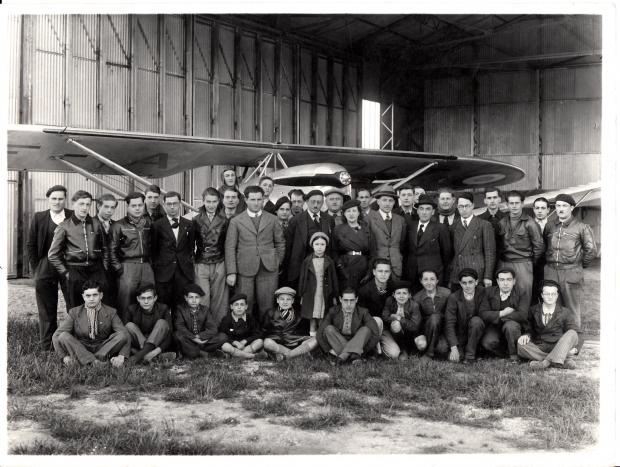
[(192, 407)]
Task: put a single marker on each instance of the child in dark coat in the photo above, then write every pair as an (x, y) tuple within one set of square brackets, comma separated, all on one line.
[(318, 282), (243, 332)]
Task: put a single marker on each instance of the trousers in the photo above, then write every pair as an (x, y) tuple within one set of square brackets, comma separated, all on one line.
[(499, 338), (353, 344), (87, 351), (134, 276), (191, 349), (160, 335), (46, 292), (555, 353), (212, 279), (259, 289)]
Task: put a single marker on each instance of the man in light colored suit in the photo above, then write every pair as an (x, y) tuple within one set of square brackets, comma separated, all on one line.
[(253, 252), (473, 240), (389, 230)]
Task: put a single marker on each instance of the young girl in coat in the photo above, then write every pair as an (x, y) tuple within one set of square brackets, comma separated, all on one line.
[(318, 282), (243, 332)]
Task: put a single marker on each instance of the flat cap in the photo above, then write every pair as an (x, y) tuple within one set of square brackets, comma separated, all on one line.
[(332, 190), (426, 200), (285, 290), (193, 288), (386, 191), (238, 296)]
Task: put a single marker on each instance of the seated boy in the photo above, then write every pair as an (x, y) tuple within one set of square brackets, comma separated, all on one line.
[(148, 318), (92, 333), (242, 338), (401, 317)]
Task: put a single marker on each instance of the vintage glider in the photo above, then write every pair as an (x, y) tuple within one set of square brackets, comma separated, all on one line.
[(138, 155)]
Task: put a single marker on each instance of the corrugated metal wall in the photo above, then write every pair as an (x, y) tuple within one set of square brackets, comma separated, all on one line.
[(13, 223), (13, 34)]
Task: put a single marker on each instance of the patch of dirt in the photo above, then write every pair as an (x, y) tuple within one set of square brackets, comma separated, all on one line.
[(27, 433)]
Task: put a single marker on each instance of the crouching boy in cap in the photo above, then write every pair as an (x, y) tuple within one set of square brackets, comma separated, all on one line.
[(240, 329), (148, 318), (196, 325), (550, 332)]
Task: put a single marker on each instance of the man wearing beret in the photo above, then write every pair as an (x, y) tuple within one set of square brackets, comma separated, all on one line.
[(428, 244), (570, 248), (389, 230), (550, 332), (473, 240), (464, 325), (300, 229), (46, 277)]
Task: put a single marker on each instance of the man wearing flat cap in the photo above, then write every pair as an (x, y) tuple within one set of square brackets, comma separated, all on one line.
[(389, 230), (334, 199), (473, 240), (196, 325), (570, 248), (428, 244), (300, 229), (550, 332)]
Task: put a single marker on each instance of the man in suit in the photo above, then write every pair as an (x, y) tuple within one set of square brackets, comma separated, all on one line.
[(254, 250), (172, 251), (406, 208), (447, 213), (300, 228), (348, 331), (550, 332), (79, 251), (389, 230), (364, 197), (92, 332), (428, 244), (46, 277), (297, 201), (473, 240), (152, 205), (508, 312), (266, 183), (464, 325), (334, 199), (106, 205), (210, 227), (130, 252)]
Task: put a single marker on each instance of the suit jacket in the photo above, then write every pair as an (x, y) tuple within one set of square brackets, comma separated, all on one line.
[(473, 248), (206, 321), (246, 247), (40, 237), (168, 253), (434, 251), (517, 300), (457, 315), (108, 322), (361, 317), (389, 245), (561, 321), (408, 217), (456, 218), (300, 229)]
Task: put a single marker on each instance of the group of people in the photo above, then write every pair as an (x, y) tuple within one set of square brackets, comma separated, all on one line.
[(391, 274)]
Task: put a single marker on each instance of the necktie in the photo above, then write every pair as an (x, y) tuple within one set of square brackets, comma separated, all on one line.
[(175, 223), (420, 233), (256, 221), (388, 222), (545, 319), (445, 221), (316, 220), (465, 224)]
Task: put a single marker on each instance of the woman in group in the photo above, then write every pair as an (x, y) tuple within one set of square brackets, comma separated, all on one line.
[(318, 284), (282, 329), (242, 331), (352, 246), (283, 212), (229, 180)]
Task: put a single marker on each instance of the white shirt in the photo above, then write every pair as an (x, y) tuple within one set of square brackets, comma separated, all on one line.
[(450, 218), (57, 218), (423, 226), (542, 223), (254, 214), (175, 231), (468, 220), (384, 215)]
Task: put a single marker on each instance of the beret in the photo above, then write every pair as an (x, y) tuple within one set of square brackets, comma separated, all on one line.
[(313, 193), (565, 198), (238, 296), (193, 288), (281, 201), (352, 203)]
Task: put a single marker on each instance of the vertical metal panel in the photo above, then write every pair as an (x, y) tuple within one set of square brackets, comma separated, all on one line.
[(508, 128), (305, 97), (322, 101), (305, 136), (561, 170), (147, 72), (337, 130), (268, 84), (174, 46), (528, 162), (574, 32), (287, 94), (353, 107), (14, 31), (203, 79), (572, 83), (507, 88), (115, 52), (305, 91), (48, 74), (247, 75), (84, 83), (448, 92), (224, 119), (448, 130), (321, 125), (40, 183), (173, 183), (13, 220), (321, 94), (571, 126)]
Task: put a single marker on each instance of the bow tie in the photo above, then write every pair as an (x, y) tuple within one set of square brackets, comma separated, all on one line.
[(175, 223)]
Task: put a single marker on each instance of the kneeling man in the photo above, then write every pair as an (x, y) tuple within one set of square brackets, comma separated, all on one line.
[(196, 325), (348, 331), (551, 332), (149, 325), (92, 333), (464, 325), (509, 305)]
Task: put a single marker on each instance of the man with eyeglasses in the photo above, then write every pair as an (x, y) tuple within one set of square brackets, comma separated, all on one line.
[(473, 242), (550, 332), (172, 242)]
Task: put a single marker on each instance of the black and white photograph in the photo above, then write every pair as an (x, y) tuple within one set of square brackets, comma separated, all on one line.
[(275, 230)]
